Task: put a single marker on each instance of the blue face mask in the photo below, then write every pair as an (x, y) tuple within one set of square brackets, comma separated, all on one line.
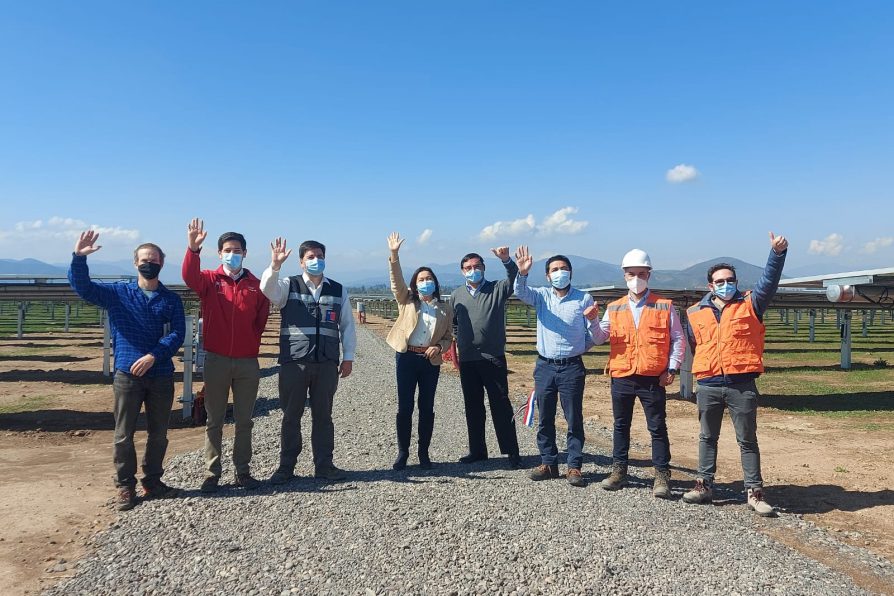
[(426, 288), (474, 276), (315, 266), (560, 279), (233, 260), (725, 291)]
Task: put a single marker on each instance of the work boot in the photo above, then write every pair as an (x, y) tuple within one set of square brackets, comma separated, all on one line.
[(281, 476), (210, 484), (757, 503), (126, 499), (617, 479), (544, 472), (700, 493), (247, 482), (330, 472), (661, 487), (574, 477), (160, 490)]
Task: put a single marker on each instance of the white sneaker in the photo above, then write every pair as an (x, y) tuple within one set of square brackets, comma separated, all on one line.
[(757, 503), (700, 493)]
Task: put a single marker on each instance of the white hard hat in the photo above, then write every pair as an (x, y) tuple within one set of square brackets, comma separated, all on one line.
[(636, 258)]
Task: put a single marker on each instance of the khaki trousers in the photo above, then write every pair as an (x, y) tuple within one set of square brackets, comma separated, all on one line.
[(222, 374)]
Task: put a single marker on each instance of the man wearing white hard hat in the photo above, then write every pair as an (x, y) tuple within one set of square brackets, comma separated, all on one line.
[(647, 348)]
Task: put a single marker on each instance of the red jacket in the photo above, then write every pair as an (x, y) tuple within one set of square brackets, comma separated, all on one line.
[(234, 312)]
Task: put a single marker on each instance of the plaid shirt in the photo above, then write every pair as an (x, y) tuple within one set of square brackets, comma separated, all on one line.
[(137, 321)]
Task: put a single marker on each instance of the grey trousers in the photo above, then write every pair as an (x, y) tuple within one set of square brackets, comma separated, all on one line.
[(296, 381), (157, 393), (221, 374), (741, 401)]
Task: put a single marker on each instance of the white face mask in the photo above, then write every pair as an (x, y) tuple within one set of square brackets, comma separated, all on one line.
[(637, 285)]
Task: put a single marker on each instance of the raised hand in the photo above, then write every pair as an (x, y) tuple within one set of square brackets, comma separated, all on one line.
[(778, 243), (86, 243), (394, 242), (524, 260), (195, 234), (278, 253), (501, 252)]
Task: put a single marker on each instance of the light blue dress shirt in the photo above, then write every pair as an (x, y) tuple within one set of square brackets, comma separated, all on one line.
[(562, 329)]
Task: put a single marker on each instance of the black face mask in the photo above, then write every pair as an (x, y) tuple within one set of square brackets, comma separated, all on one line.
[(149, 270)]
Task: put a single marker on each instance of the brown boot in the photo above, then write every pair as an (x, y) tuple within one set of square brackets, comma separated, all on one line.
[(661, 488), (616, 479), (544, 472)]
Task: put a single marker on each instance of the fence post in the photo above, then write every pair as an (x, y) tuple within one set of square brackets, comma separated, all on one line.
[(21, 326), (106, 343), (67, 315), (187, 398), (812, 333)]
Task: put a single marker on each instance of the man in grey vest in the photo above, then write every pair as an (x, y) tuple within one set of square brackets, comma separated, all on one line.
[(316, 347)]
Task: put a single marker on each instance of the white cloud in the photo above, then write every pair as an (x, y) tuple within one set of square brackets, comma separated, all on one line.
[(681, 173), (508, 228), (557, 223), (57, 229), (424, 237), (874, 245), (830, 246), (560, 223)]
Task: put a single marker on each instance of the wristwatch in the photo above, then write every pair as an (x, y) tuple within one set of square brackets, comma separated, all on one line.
[(673, 371)]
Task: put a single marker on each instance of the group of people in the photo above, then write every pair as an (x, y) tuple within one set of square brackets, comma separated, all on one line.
[(317, 341)]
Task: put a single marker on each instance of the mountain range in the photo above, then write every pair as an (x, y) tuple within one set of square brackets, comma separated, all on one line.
[(586, 273)]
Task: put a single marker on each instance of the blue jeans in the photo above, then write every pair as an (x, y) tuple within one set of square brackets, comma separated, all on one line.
[(653, 398), (741, 401), (415, 370), (565, 382)]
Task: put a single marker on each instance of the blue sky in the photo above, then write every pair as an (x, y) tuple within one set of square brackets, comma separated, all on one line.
[(342, 121)]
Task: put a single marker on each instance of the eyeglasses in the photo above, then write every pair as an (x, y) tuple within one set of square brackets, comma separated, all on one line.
[(721, 282)]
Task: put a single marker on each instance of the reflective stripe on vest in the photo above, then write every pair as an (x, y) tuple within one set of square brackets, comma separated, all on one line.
[(734, 346), (639, 350)]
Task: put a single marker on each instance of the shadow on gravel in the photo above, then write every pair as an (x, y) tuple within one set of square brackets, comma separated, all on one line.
[(44, 358), (823, 498)]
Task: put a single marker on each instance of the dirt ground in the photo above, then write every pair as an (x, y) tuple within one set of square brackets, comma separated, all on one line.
[(56, 436)]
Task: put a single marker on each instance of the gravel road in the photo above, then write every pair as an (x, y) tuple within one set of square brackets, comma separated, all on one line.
[(453, 529)]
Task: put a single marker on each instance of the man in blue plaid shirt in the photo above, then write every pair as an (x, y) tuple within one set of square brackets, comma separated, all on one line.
[(138, 311)]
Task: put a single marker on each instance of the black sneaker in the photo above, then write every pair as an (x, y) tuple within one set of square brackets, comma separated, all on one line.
[(281, 476), (247, 482), (211, 484), (126, 499), (160, 490), (330, 472), (471, 458)]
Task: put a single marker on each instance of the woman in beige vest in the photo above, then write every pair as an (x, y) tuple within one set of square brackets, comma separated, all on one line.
[(422, 332)]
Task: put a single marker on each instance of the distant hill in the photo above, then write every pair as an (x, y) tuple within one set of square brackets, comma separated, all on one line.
[(587, 273)]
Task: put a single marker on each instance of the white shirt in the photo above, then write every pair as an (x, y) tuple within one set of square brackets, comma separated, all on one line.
[(277, 291), (425, 326)]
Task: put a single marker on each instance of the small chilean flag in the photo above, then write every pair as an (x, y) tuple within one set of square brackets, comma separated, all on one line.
[(530, 407)]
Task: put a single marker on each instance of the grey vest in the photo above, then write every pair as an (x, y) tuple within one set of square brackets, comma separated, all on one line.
[(309, 329)]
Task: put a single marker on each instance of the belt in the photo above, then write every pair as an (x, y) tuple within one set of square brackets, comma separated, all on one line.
[(560, 361), (417, 349)]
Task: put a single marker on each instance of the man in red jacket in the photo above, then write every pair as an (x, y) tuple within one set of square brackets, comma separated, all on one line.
[(234, 313)]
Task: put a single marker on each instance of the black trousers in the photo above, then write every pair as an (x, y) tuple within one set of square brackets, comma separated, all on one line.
[(476, 376)]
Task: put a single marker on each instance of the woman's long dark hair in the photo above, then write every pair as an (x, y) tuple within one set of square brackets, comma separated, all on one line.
[(414, 293)]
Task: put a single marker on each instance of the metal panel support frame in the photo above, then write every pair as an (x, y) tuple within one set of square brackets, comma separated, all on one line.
[(188, 397)]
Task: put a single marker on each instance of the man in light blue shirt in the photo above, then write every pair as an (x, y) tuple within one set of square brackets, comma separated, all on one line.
[(563, 335)]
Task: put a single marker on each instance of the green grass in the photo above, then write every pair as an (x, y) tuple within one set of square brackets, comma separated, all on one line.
[(25, 404)]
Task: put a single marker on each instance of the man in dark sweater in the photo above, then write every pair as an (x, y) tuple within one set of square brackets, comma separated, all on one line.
[(480, 332)]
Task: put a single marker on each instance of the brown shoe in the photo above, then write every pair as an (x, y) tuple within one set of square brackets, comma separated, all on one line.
[(127, 498), (544, 472), (661, 487), (574, 477), (617, 479)]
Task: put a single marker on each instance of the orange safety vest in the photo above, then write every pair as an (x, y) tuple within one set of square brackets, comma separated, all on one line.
[(735, 346), (642, 350)]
